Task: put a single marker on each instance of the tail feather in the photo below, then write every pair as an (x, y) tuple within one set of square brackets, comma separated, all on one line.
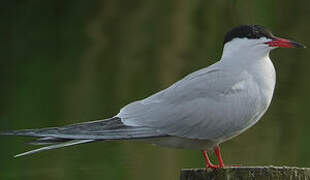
[(58, 137), (55, 146)]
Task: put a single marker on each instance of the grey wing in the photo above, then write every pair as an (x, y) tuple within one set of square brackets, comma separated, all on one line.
[(59, 137), (208, 104), (108, 129)]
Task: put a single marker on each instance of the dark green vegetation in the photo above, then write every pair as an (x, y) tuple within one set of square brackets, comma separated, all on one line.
[(70, 61)]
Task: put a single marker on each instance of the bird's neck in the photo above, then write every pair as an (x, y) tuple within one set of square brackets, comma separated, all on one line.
[(254, 61), (244, 55)]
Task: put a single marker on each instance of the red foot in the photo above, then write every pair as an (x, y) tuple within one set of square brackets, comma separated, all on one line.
[(208, 162), (219, 157)]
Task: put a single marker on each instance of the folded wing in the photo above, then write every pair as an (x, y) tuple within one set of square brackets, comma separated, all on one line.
[(208, 104)]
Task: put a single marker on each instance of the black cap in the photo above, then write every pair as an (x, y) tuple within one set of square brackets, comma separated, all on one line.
[(248, 31)]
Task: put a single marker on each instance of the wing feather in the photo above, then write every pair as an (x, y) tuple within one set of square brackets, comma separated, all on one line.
[(194, 106), (110, 129)]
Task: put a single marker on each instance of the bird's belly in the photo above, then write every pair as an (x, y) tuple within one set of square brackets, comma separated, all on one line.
[(181, 142)]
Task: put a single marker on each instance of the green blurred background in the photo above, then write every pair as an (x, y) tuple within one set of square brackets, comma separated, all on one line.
[(71, 61)]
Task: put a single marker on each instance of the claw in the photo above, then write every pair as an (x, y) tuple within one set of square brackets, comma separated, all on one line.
[(212, 166)]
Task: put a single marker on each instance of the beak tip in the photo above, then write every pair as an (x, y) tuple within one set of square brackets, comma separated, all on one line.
[(297, 45), (301, 46), (304, 47)]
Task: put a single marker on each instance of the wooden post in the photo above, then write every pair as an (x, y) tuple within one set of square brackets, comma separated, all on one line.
[(247, 172)]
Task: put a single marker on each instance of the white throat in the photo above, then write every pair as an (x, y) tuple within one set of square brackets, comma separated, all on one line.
[(251, 56)]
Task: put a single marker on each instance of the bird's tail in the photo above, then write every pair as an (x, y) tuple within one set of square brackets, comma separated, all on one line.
[(81, 133), (56, 146)]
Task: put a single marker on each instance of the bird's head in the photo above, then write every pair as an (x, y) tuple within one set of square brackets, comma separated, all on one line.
[(254, 39)]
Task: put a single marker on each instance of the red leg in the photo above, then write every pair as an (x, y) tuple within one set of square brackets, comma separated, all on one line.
[(207, 160), (219, 157)]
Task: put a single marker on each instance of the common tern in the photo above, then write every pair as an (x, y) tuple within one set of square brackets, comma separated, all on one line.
[(200, 111)]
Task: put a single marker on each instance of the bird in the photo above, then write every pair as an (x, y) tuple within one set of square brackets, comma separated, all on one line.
[(200, 111)]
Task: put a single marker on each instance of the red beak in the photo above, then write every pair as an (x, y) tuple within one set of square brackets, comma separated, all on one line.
[(280, 42)]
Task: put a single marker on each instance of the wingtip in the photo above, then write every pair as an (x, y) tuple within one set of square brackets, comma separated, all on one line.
[(6, 133), (23, 132)]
